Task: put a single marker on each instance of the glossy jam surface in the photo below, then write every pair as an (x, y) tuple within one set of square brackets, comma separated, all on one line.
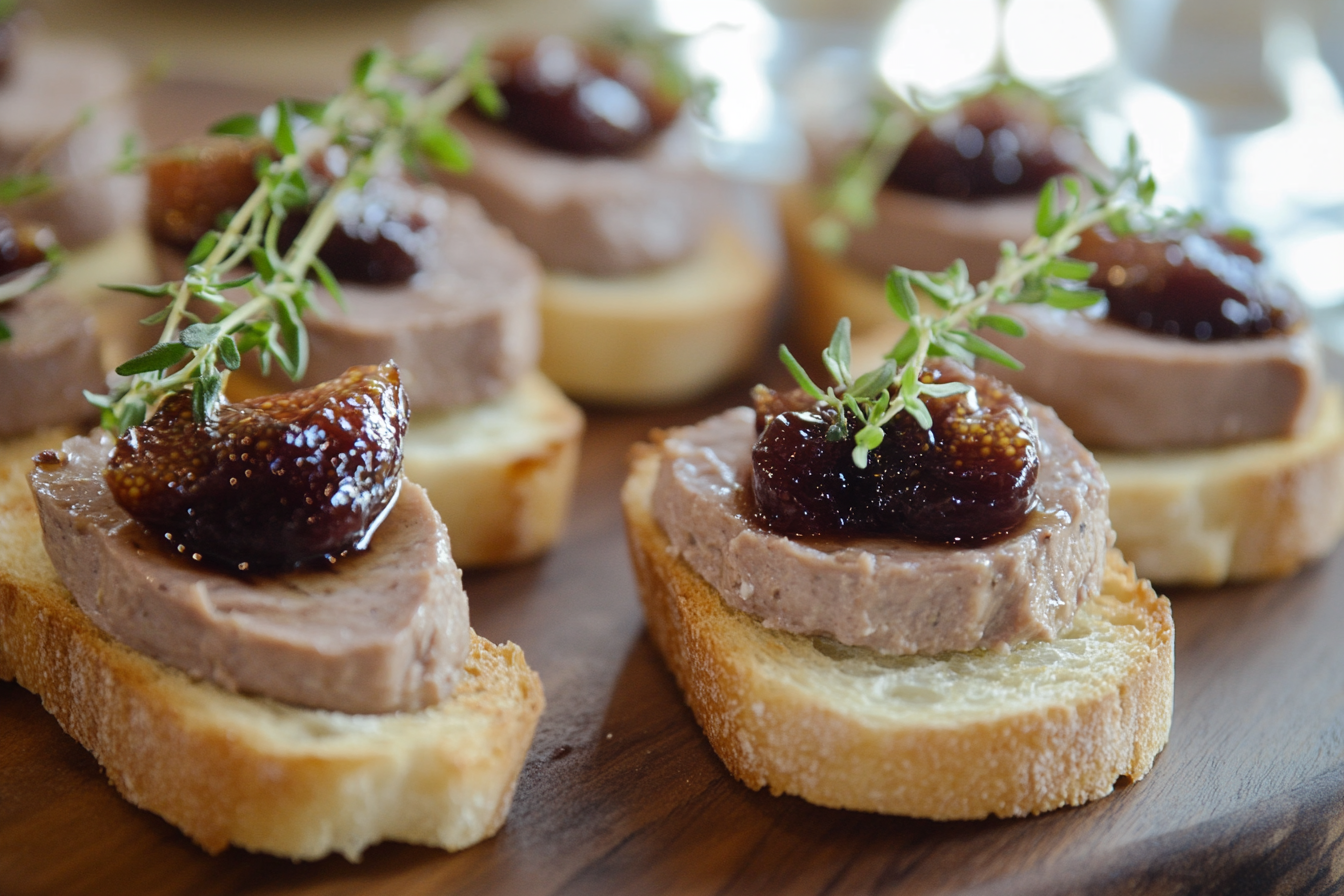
[(988, 146), (1194, 285), (18, 247), (274, 483), (379, 237), (578, 99), (968, 479)]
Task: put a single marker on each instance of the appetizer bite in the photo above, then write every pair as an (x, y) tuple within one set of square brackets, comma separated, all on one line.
[(416, 273), (1200, 385), (659, 277), (924, 187), (898, 594), (246, 610)]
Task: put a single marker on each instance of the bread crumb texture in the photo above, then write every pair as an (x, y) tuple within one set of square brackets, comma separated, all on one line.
[(955, 736), (249, 771)]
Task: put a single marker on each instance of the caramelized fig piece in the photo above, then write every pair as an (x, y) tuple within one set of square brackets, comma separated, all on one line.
[(969, 478), (19, 249), (1194, 285), (988, 146), (579, 99), (274, 482), (381, 235), (191, 186), (802, 483)]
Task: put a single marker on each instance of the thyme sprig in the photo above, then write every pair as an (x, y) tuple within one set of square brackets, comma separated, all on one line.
[(1039, 271), (394, 112)]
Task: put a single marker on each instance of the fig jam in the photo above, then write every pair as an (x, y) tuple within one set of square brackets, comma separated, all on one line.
[(274, 482), (579, 99), (380, 236), (988, 146), (1194, 285), (19, 249), (968, 479)]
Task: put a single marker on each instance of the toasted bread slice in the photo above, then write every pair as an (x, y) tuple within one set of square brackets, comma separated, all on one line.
[(955, 736), (231, 769), (663, 336), (1254, 510)]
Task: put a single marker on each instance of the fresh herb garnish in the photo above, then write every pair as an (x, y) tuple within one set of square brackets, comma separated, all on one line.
[(394, 112), (1039, 271)]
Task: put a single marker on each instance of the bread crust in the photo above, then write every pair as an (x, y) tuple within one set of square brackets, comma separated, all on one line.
[(664, 336), (782, 713), (229, 769), (1237, 513)]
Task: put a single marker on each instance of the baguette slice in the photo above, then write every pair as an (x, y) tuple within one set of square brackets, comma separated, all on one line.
[(957, 736), (1241, 512), (229, 769), (663, 336)]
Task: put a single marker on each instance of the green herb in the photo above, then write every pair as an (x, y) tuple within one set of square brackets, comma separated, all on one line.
[(394, 109), (20, 186), (1039, 271)]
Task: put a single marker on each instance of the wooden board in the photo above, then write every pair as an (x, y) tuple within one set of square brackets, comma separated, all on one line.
[(621, 793)]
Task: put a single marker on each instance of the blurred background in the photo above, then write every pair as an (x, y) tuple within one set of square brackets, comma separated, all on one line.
[(1237, 103)]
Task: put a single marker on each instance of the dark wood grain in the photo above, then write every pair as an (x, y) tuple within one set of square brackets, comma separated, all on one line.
[(621, 793)]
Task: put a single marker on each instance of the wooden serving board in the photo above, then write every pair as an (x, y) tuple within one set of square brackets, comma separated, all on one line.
[(622, 794)]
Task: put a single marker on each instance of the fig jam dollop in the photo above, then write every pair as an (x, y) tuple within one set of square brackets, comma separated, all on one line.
[(274, 482), (380, 236), (19, 247), (1195, 285), (969, 478), (577, 98), (988, 146)]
